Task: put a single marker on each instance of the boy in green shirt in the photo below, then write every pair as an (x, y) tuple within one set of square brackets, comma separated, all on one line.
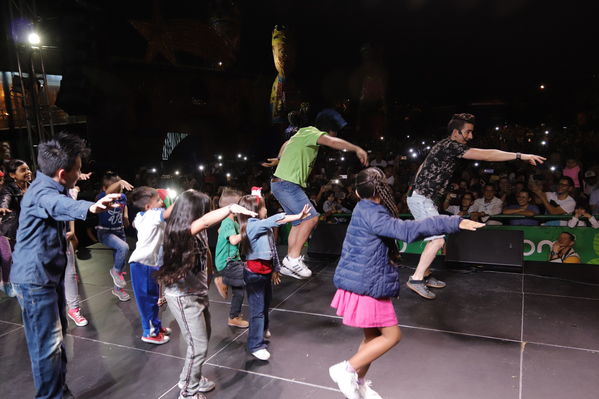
[(294, 165), (229, 266)]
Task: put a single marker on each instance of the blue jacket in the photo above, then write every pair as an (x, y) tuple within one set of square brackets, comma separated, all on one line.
[(258, 232), (364, 266), (40, 254)]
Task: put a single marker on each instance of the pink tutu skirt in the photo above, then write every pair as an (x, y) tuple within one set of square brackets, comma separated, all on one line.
[(363, 311)]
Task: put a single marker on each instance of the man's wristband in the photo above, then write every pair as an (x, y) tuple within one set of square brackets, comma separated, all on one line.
[(518, 155)]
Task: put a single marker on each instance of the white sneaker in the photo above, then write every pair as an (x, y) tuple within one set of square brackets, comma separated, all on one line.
[(261, 354), (346, 380), (367, 392), (297, 269), (267, 334)]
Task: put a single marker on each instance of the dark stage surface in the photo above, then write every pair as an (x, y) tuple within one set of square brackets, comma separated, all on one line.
[(487, 335)]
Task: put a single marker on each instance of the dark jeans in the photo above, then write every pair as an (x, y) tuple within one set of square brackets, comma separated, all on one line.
[(45, 322), (232, 276), (259, 290)]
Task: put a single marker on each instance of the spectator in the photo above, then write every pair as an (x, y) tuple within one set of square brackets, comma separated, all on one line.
[(462, 209), (524, 207), (562, 250), (506, 192), (594, 200), (488, 205), (589, 182), (572, 170), (378, 161), (390, 175), (11, 195), (582, 211), (556, 203)]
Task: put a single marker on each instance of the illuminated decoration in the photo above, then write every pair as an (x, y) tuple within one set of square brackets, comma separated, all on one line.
[(215, 40), (283, 53), (170, 142)]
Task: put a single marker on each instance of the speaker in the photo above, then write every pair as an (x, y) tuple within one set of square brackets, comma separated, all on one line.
[(327, 239), (487, 247)]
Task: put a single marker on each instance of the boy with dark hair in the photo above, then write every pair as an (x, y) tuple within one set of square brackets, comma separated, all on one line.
[(39, 259), (146, 259), (111, 230)]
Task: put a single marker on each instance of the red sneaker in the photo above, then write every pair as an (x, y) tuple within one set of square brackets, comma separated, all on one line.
[(75, 315), (165, 331), (159, 339)]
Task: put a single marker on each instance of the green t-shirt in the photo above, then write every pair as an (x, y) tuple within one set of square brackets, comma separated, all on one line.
[(226, 251), (299, 155)]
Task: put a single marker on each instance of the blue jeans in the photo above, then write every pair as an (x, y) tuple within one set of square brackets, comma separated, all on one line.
[(422, 207), (116, 240), (147, 292), (259, 291), (292, 198), (45, 322)]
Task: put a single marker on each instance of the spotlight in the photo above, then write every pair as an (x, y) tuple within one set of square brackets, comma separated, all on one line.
[(220, 63), (543, 142), (336, 181), (414, 155), (411, 150), (201, 167), (546, 131), (382, 138), (239, 155), (496, 127), (245, 158), (423, 143), (476, 164), (177, 173), (343, 158), (219, 157), (228, 175), (220, 164), (408, 136), (542, 87), (171, 193), (153, 170), (34, 39), (552, 168), (428, 147)]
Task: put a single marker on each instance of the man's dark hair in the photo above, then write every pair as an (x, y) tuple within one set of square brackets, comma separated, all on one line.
[(572, 236), (458, 120), (568, 179), (329, 120), (60, 153), (142, 196)]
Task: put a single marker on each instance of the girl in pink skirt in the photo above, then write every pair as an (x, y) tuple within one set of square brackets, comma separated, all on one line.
[(367, 276)]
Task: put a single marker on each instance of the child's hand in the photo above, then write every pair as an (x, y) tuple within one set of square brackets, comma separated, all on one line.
[(271, 162), (85, 176), (103, 203), (4, 211), (470, 225), (125, 185), (237, 209), (305, 211), (276, 278)]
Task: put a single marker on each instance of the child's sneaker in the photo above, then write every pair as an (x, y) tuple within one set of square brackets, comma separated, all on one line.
[(261, 354), (165, 330), (121, 294), (118, 278), (296, 269), (197, 395), (238, 322), (206, 385), (222, 288), (75, 315), (158, 339), (346, 380), (367, 392)]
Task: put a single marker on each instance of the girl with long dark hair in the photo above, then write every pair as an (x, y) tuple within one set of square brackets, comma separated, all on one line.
[(262, 265), (16, 184), (367, 277), (187, 264)]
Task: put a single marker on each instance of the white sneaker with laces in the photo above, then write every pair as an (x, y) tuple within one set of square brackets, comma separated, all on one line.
[(367, 392), (261, 354), (346, 380), (296, 269)]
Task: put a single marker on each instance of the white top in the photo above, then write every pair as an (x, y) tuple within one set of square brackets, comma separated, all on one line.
[(379, 164), (568, 204), (493, 207), (575, 222), (150, 231)]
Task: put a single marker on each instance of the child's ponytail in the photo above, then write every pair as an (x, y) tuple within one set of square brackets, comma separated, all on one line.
[(253, 203)]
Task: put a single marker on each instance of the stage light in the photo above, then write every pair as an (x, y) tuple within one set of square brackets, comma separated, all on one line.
[(171, 193), (543, 142), (239, 155), (414, 155), (153, 170), (542, 87), (496, 127), (552, 168), (428, 147), (336, 181), (220, 164), (34, 39), (546, 131), (476, 164), (228, 175), (245, 158), (345, 150), (423, 143), (411, 150), (343, 158), (408, 136), (219, 157), (220, 63), (177, 173), (201, 167)]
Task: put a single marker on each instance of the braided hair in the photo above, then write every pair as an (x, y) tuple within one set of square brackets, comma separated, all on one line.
[(371, 183)]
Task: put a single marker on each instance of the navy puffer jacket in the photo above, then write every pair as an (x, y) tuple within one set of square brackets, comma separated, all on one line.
[(364, 266)]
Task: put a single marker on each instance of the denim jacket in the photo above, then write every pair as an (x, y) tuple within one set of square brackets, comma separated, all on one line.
[(258, 231), (40, 253)]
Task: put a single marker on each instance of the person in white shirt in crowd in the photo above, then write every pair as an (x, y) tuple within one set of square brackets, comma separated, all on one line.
[(462, 209), (594, 200), (582, 211), (559, 202), (589, 182), (487, 206), (378, 161), (389, 175)]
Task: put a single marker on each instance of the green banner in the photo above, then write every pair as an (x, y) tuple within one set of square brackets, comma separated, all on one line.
[(538, 241)]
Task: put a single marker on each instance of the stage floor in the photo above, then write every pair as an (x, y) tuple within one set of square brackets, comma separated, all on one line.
[(487, 335)]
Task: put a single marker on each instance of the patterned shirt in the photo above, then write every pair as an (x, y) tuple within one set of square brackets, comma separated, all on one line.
[(438, 167)]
